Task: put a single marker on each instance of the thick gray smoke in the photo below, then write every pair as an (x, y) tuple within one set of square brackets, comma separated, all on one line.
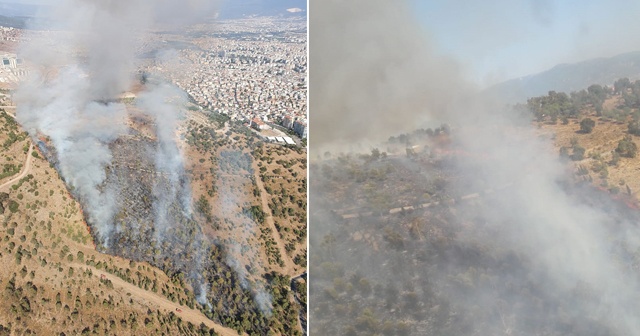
[(372, 58), (72, 99), (164, 102), (374, 74), (80, 129)]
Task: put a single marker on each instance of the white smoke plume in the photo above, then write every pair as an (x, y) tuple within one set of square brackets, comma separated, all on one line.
[(228, 201), (70, 97), (259, 292), (80, 129), (164, 103), (78, 73), (387, 71)]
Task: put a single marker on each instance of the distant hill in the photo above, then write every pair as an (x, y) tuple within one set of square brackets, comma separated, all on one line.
[(242, 8), (570, 77), (17, 15), (15, 22), (17, 9)]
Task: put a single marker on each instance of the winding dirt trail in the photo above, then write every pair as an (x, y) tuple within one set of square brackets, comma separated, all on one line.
[(289, 266), (25, 170), (152, 299), (27, 162)]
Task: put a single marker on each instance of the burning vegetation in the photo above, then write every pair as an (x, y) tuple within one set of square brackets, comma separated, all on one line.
[(124, 161)]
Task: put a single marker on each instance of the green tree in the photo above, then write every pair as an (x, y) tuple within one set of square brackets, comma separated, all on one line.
[(375, 154), (627, 148), (621, 85), (597, 91), (634, 127), (13, 206), (587, 125), (578, 153), (615, 158)]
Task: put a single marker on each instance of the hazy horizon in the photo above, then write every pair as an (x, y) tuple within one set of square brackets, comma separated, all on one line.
[(228, 9), (501, 40)]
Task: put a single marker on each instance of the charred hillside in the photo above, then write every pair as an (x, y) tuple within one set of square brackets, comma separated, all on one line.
[(180, 248), (53, 279), (416, 244)]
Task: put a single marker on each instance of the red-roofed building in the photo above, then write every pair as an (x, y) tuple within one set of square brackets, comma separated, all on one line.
[(258, 124)]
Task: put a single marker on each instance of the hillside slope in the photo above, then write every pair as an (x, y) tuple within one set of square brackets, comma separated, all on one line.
[(54, 279), (570, 77)]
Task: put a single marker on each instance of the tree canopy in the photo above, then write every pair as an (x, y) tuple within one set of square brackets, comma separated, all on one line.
[(627, 148), (587, 125)]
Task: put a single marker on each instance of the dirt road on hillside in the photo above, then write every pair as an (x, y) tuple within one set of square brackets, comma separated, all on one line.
[(289, 265), (25, 170), (152, 299)]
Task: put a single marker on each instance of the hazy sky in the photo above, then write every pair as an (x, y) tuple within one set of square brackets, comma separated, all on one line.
[(228, 8), (502, 39), (28, 2)]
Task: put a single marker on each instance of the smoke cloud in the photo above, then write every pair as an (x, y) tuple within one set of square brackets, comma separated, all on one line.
[(375, 74), (75, 105), (79, 72), (240, 245), (80, 129), (369, 58), (72, 103), (163, 103)]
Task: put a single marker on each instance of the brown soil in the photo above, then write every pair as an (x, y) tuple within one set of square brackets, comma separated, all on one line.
[(150, 299), (601, 142), (43, 241), (289, 267), (26, 167)]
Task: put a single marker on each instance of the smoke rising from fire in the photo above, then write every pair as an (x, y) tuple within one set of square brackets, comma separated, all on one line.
[(72, 101), (80, 129), (238, 245), (374, 74), (71, 97), (163, 103), (385, 71)]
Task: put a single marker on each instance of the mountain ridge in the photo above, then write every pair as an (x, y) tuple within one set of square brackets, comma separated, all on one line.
[(567, 77)]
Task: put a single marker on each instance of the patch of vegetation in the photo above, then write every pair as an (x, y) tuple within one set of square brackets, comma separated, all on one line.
[(627, 147), (587, 125), (218, 118)]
